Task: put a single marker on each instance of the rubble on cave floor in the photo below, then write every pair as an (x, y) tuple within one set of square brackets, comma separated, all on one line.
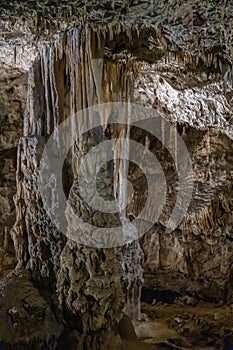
[(205, 326)]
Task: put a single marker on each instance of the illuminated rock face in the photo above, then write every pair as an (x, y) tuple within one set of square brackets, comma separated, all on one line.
[(13, 101), (188, 84), (69, 79), (199, 250)]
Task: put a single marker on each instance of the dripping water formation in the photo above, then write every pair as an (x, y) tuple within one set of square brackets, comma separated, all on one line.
[(69, 79), (76, 272)]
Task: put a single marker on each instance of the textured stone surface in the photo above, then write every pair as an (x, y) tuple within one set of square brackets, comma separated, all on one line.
[(189, 84), (87, 276), (205, 326), (84, 277), (194, 28), (199, 252), (13, 88), (27, 319)]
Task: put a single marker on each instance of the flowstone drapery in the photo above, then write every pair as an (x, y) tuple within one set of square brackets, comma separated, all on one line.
[(69, 75)]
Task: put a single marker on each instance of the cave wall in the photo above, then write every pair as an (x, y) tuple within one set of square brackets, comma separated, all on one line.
[(13, 91), (197, 257), (190, 86)]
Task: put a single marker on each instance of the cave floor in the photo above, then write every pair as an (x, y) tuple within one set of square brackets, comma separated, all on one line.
[(174, 326)]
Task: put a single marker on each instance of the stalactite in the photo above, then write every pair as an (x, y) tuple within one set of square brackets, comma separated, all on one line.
[(86, 78), (44, 68), (208, 146), (163, 132), (30, 118), (53, 91), (175, 144), (48, 54), (72, 71), (205, 221)]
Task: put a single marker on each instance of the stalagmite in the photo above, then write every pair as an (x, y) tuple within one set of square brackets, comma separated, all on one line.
[(90, 79), (85, 60), (130, 255)]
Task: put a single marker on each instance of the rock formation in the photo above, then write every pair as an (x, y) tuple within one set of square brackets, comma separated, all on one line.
[(57, 61)]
